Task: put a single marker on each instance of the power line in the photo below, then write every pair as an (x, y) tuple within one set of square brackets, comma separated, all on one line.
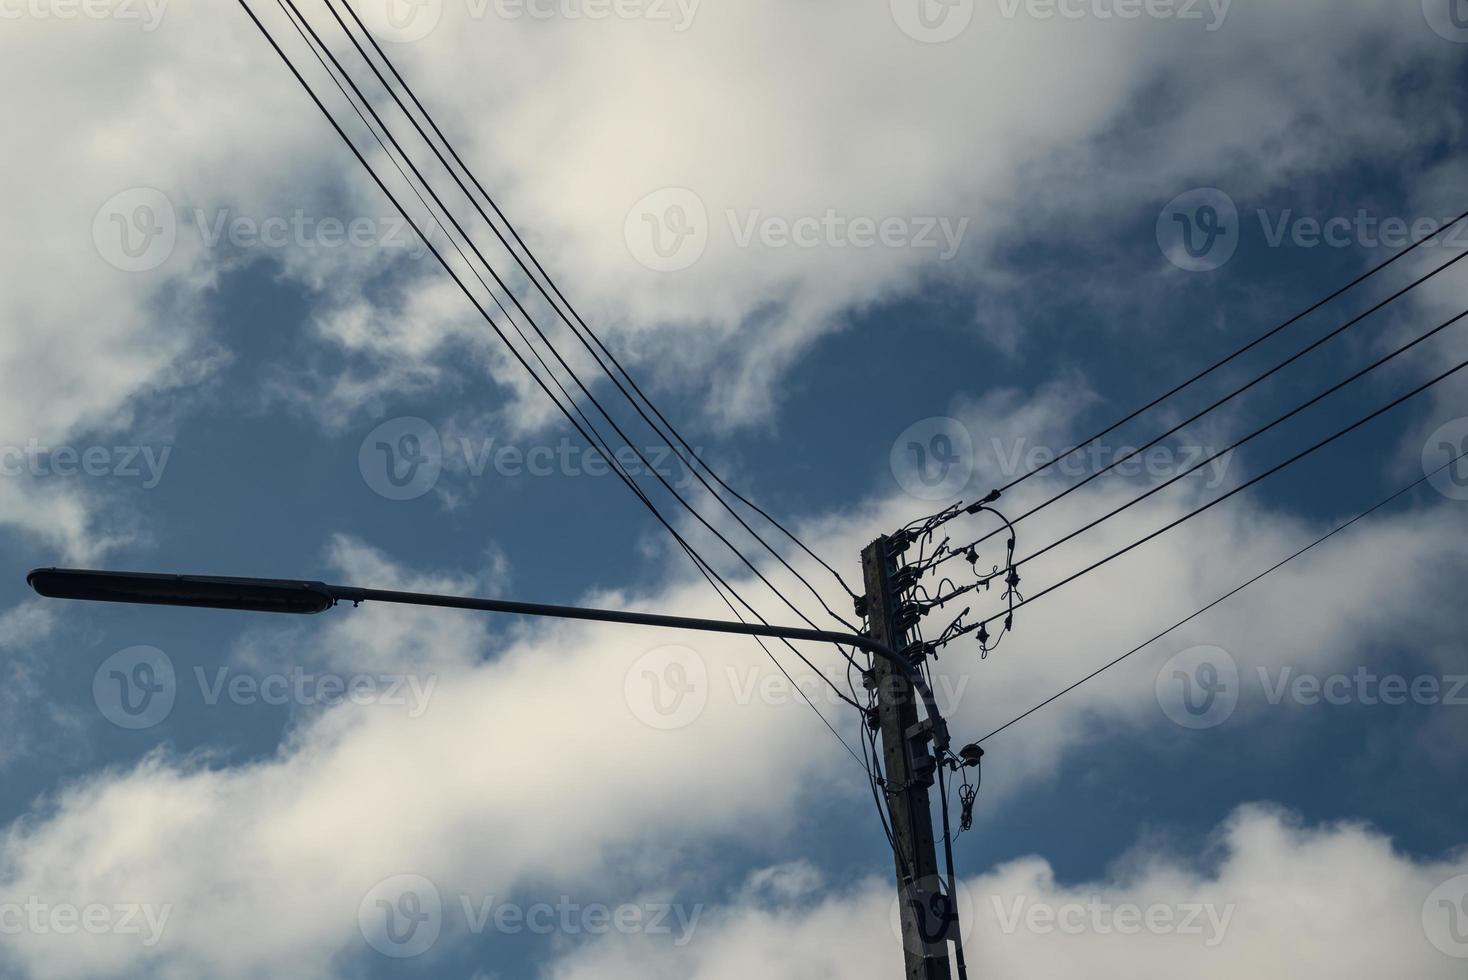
[(1236, 490), (572, 319), (1242, 350), (1224, 598), (1132, 454), (535, 327), (701, 564), (489, 319), (586, 392), (1251, 436)]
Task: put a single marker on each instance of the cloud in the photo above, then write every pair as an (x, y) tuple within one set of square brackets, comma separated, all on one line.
[(291, 845), (1330, 901)]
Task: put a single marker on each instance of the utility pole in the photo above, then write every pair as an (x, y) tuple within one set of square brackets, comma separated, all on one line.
[(927, 912)]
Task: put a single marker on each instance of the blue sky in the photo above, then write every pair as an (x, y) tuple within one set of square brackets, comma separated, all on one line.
[(521, 769)]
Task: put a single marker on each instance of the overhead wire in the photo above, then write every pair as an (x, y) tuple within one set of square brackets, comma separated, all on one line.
[(1239, 489), (1226, 596), (568, 315), (489, 318), (1420, 242), (1308, 403), (1235, 393)]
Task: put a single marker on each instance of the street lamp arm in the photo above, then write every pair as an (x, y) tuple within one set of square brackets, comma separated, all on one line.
[(298, 596)]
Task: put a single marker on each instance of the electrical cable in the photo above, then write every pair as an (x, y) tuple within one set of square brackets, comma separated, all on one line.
[(1242, 487), (484, 313), (1229, 595), (1242, 350), (1132, 454), (571, 321), (1252, 435)]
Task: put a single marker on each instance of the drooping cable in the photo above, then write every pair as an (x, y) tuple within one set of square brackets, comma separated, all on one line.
[(577, 325), (489, 319)]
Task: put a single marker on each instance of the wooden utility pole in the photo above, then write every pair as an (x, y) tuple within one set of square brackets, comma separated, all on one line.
[(928, 913)]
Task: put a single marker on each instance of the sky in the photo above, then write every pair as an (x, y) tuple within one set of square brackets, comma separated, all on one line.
[(818, 235)]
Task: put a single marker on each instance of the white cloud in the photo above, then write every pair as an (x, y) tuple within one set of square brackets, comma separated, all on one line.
[(588, 768), (1333, 901)]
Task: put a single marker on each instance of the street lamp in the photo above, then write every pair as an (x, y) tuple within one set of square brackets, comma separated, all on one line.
[(305, 597)]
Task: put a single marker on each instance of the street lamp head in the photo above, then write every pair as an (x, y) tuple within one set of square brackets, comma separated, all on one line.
[(199, 591)]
